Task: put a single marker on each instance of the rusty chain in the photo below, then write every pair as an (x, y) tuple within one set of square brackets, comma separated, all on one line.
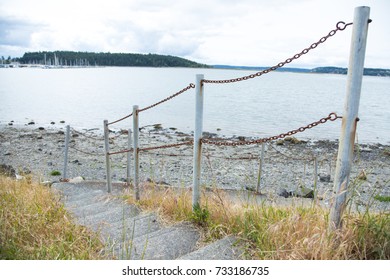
[(121, 152), (191, 85), (125, 117), (153, 148), (339, 26), (191, 142), (86, 153), (86, 135), (330, 117)]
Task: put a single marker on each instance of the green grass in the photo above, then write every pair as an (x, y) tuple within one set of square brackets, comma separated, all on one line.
[(35, 225), (382, 198)]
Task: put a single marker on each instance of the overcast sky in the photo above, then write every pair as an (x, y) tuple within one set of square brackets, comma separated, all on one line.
[(235, 32)]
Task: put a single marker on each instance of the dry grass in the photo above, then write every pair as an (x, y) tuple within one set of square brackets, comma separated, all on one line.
[(271, 232), (34, 225)]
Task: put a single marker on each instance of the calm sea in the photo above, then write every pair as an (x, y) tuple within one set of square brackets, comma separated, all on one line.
[(271, 104)]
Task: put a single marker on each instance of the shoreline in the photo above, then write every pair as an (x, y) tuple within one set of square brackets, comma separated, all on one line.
[(288, 164)]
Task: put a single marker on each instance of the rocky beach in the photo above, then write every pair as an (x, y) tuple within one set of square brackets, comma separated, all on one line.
[(288, 165)]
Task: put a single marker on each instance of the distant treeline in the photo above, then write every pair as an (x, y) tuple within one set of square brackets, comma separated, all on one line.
[(107, 59), (323, 70), (338, 70)]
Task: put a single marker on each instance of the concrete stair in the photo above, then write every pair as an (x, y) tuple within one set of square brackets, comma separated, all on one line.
[(129, 233)]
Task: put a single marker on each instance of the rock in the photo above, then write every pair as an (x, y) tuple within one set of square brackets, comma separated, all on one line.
[(284, 193), (41, 128), (76, 180), (324, 178), (302, 191), (62, 121), (52, 123), (7, 170), (362, 175), (47, 183), (10, 123), (19, 177), (31, 123)]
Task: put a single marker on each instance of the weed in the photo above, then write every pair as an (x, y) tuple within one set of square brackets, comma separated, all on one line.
[(55, 173), (200, 216)]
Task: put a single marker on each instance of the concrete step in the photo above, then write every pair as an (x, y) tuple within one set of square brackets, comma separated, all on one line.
[(165, 244), (105, 214), (223, 249), (130, 234)]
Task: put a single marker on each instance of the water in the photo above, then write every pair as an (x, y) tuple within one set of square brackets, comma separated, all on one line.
[(272, 104)]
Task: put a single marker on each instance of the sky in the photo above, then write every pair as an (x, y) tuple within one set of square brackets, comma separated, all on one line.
[(232, 32)]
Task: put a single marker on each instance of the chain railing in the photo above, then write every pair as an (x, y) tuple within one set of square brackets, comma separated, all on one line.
[(330, 117), (197, 141), (340, 26)]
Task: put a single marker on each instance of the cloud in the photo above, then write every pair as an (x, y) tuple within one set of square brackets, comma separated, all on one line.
[(247, 32), (16, 32)]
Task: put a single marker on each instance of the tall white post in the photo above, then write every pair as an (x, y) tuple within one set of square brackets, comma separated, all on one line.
[(136, 151), (128, 157), (67, 136), (197, 141), (350, 116), (107, 148)]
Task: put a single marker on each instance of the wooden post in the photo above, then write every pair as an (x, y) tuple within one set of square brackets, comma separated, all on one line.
[(129, 157), (260, 169), (197, 141), (136, 151), (67, 136), (315, 178), (107, 148), (350, 116)]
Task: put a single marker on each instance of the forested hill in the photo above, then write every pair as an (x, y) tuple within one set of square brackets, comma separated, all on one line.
[(338, 70), (68, 58)]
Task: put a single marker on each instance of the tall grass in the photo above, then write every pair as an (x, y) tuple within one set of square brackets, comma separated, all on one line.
[(34, 225), (275, 232)]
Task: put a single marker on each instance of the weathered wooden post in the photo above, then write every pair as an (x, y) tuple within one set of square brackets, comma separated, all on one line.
[(108, 163), (136, 151), (315, 178), (197, 141), (260, 169), (350, 116), (67, 136), (129, 156)]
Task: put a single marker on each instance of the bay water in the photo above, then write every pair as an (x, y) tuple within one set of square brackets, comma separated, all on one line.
[(261, 107)]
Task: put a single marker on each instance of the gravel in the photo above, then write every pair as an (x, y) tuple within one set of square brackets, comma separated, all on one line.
[(288, 166)]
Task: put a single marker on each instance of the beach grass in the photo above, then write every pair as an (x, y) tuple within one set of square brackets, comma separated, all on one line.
[(35, 225), (274, 232)]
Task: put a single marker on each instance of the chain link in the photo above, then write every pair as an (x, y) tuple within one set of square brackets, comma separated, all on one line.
[(121, 152), (86, 135), (191, 142), (125, 117), (87, 153), (330, 117), (191, 85), (339, 26)]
